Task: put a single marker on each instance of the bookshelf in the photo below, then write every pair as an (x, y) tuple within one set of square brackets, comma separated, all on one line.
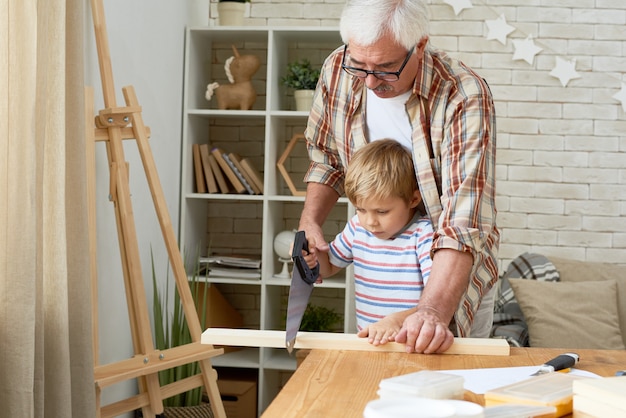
[(243, 223)]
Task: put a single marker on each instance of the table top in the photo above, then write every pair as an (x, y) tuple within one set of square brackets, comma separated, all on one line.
[(338, 383)]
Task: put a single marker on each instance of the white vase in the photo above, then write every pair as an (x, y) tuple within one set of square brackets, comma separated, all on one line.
[(304, 100), (230, 13)]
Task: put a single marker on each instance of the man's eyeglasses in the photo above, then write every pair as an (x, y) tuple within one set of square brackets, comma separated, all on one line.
[(381, 75)]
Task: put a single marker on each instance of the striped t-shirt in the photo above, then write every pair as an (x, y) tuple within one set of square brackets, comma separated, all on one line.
[(389, 275)]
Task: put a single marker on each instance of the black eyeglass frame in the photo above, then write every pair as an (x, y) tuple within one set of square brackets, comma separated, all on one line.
[(362, 73)]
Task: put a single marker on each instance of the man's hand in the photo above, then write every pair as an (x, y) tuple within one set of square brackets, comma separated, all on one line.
[(425, 332), (384, 330), (314, 236)]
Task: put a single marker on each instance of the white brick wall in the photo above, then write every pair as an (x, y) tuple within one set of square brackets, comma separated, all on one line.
[(561, 150)]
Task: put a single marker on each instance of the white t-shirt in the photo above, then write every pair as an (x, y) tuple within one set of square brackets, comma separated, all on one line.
[(387, 118)]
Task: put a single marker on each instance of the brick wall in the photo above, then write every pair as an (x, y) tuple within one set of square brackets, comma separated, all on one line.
[(561, 150)]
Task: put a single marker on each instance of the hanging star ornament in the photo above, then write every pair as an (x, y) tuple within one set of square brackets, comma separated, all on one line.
[(621, 96), (459, 5), (564, 71), (499, 29), (525, 49)]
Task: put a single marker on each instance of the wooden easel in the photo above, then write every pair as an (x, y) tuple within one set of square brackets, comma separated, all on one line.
[(113, 125)]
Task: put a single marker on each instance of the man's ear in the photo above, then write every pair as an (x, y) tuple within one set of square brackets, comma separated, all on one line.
[(421, 45), (416, 199)]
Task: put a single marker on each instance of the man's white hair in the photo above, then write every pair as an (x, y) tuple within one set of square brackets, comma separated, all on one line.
[(365, 21)]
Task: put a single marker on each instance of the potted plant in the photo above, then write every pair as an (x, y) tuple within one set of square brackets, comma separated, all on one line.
[(302, 78), (230, 12), (319, 319)]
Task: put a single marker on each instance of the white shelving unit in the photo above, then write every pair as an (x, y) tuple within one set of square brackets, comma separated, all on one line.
[(247, 224)]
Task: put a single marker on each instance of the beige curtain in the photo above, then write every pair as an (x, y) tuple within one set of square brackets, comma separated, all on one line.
[(46, 360)]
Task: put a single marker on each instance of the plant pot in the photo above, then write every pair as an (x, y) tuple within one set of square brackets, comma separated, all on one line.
[(304, 100), (230, 13)]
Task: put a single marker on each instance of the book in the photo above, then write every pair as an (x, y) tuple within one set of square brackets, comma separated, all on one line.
[(232, 261), (247, 165), (198, 170), (217, 172), (236, 160), (238, 173), (234, 272), (230, 174), (211, 183)]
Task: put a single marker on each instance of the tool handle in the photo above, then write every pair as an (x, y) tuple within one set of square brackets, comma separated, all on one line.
[(564, 361), (300, 243)]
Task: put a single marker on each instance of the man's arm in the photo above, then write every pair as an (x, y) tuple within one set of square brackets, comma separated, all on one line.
[(426, 331), (320, 200)]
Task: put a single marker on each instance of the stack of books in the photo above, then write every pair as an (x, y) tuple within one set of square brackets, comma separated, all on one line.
[(217, 171), (604, 397), (232, 267)]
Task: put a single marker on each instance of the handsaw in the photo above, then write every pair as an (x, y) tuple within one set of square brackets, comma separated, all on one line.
[(302, 281)]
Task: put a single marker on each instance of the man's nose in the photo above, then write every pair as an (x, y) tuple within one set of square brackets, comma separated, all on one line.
[(372, 82)]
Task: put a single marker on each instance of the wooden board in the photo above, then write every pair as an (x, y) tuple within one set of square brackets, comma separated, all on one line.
[(339, 341)]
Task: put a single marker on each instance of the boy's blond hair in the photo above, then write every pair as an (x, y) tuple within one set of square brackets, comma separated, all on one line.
[(379, 170)]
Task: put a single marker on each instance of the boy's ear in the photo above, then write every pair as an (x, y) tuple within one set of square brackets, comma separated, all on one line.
[(416, 200)]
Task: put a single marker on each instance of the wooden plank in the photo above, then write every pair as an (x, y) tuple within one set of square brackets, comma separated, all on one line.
[(340, 341)]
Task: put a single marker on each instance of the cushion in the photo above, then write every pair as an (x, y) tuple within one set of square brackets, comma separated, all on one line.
[(578, 271), (570, 314), (508, 320)]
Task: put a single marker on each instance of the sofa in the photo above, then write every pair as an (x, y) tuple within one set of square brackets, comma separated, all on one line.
[(560, 303)]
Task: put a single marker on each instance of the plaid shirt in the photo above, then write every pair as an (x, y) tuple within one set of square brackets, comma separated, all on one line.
[(452, 116)]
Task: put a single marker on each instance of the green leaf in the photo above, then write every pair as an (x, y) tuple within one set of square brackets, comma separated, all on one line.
[(301, 75)]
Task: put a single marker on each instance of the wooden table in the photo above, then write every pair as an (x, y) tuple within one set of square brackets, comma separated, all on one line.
[(336, 383)]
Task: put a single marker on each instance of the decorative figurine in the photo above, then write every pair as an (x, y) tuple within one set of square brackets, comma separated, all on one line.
[(240, 94)]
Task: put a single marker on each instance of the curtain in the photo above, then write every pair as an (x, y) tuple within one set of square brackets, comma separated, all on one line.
[(46, 359)]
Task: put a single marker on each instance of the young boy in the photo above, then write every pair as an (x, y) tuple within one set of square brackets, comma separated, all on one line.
[(388, 240)]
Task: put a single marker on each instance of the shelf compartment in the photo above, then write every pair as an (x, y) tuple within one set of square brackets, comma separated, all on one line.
[(241, 358), (208, 50)]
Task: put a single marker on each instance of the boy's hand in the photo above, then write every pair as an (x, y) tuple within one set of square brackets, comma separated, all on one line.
[(383, 331), (310, 258)]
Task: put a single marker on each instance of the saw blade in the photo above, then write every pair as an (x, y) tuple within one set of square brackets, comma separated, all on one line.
[(299, 294), (302, 281)]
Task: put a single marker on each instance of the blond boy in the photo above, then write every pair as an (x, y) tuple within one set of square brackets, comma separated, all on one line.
[(388, 240)]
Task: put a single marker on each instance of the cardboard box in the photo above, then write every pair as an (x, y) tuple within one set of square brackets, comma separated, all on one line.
[(218, 313), (239, 397)]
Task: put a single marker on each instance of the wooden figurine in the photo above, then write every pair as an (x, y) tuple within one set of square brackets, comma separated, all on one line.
[(240, 93)]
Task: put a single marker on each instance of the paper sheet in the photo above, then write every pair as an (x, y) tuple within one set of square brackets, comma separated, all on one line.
[(480, 381)]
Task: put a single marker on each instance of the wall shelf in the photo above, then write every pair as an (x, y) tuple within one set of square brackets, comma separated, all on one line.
[(247, 224)]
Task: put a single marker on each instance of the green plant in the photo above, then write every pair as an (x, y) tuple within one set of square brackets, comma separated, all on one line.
[(319, 319), (301, 75), (172, 331)]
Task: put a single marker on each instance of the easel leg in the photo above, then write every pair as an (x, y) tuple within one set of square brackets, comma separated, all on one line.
[(147, 362)]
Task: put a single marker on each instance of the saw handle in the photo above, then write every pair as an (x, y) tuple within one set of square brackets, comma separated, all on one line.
[(301, 244)]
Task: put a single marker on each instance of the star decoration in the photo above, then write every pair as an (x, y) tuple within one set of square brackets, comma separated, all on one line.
[(564, 70), (526, 50), (621, 96), (499, 29), (459, 5)]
